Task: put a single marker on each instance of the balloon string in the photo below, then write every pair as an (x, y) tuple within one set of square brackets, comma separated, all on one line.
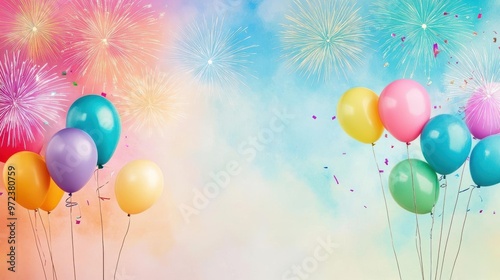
[(442, 226), (54, 274), (121, 248), (462, 232), (430, 243), (71, 204), (451, 221), (386, 211), (96, 173), (36, 243), (418, 239), (50, 240)]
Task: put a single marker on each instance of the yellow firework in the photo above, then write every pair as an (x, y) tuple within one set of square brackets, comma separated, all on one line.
[(32, 26), (323, 37), (147, 102)]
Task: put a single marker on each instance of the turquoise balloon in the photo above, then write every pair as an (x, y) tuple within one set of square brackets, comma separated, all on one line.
[(418, 194), (446, 143), (98, 117), (485, 161)]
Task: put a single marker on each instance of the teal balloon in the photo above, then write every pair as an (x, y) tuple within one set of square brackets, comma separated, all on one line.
[(417, 195), (98, 117), (485, 161), (446, 143)]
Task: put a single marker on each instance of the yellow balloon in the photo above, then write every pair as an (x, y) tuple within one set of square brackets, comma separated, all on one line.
[(138, 185), (53, 197), (357, 113), (26, 177)]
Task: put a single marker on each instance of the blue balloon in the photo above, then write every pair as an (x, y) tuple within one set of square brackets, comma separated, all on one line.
[(98, 117), (485, 161), (445, 142)]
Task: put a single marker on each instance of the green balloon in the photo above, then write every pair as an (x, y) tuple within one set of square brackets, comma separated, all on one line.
[(418, 195)]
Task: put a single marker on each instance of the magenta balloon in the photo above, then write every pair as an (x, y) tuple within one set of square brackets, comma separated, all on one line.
[(482, 112), (404, 107), (71, 158)]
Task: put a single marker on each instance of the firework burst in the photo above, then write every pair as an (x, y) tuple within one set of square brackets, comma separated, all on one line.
[(109, 38), (473, 81), (32, 26), (418, 31), (148, 101), (30, 97), (213, 55), (323, 37)]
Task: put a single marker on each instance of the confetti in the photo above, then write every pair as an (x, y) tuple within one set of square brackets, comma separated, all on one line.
[(445, 13), (351, 190), (104, 198), (333, 118), (435, 49), (386, 161), (325, 167), (1, 193), (446, 41), (64, 73), (365, 206), (385, 135), (480, 211), (344, 154), (393, 35), (77, 222), (403, 39), (381, 171), (88, 203), (494, 212), (75, 84), (336, 180), (392, 146), (103, 94), (494, 39), (386, 64), (314, 117), (479, 15)]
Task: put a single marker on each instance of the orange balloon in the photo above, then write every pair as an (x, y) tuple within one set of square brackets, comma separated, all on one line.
[(138, 185), (53, 197), (27, 179)]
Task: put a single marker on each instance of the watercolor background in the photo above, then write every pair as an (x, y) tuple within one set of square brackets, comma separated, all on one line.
[(308, 183)]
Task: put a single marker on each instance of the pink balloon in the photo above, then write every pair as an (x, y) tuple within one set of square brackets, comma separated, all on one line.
[(482, 112), (404, 107)]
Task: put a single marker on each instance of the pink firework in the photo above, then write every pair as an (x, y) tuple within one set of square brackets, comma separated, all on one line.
[(109, 38), (32, 26), (30, 97)]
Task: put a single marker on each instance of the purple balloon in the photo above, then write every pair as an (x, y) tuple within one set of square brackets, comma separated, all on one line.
[(71, 159)]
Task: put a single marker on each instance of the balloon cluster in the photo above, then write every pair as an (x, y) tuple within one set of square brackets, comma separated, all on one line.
[(403, 108), (91, 136)]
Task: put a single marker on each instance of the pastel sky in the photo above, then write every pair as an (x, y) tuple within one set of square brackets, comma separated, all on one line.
[(261, 182)]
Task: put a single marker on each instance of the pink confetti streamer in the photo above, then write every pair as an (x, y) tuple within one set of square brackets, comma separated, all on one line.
[(336, 180)]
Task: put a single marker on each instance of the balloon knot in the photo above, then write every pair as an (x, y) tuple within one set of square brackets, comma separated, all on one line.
[(99, 166), (373, 144), (408, 143), (128, 215)]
